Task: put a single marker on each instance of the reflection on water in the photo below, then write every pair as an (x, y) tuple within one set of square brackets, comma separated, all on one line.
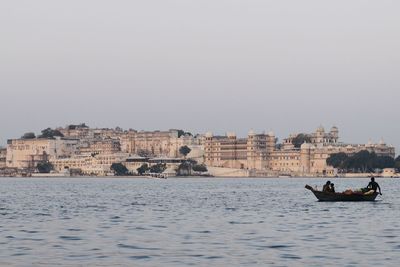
[(201, 222)]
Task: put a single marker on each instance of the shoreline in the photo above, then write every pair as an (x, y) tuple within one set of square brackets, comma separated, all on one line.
[(197, 177)]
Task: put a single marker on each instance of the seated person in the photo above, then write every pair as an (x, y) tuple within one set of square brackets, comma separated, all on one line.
[(332, 188), (327, 187)]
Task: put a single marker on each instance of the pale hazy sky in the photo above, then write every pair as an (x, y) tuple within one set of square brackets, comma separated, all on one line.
[(202, 65)]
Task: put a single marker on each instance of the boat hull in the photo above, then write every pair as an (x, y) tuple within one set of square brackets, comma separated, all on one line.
[(322, 196), (328, 196)]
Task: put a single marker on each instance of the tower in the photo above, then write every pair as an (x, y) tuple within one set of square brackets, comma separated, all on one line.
[(208, 148), (270, 142), (334, 134), (305, 158), (251, 149)]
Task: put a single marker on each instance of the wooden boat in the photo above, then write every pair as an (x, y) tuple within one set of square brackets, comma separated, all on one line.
[(354, 196)]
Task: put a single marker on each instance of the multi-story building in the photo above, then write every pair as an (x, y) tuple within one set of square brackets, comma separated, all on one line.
[(259, 152), (155, 143), (240, 153), (320, 137), (89, 164), (100, 165), (80, 131), (100, 146), (311, 157), (3, 156), (26, 153), (107, 133), (83, 132), (152, 143)]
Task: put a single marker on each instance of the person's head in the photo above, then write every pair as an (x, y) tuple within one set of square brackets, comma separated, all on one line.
[(332, 184), (372, 179), (328, 182)]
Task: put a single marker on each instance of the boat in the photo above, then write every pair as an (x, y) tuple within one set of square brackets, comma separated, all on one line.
[(353, 196)]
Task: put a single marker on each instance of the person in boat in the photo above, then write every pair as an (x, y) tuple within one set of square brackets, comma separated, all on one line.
[(332, 189), (374, 186), (327, 187)]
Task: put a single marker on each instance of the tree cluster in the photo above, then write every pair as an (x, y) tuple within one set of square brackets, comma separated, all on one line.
[(119, 169), (182, 133), (77, 126), (199, 168), (301, 139), (158, 168), (143, 169), (397, 163), (184, 150), (29, 135), (50, 133), (363, 161), (184, 169), (44, 167), (188, 166)]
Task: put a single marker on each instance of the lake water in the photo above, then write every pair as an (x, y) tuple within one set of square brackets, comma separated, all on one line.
[(193, 222)]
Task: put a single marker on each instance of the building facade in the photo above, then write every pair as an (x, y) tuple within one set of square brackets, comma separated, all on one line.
[(239, 153), (99, 165), (27, 153), (3, 156), (260, 152), (100, 146), (155, 143), (311, 157)]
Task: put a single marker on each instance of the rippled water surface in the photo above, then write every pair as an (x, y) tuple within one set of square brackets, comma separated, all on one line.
[(200, 222)]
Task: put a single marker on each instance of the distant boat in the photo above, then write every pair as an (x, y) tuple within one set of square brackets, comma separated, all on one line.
[(355, 196), (158, 175), (285, 176)]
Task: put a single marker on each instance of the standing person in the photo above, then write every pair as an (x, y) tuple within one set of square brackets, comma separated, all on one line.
[(374, 185)]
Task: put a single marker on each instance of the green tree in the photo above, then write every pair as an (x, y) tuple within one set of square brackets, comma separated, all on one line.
[(301, 139), (337, 160), (29, 135), (158, 168), (184, 169), (182, 133), (143, 169), (384, 162), (44, 167), (363, 161), (119, 169), (76, 126), (199, 168), (50, 133), (397, 163), (184, 150)]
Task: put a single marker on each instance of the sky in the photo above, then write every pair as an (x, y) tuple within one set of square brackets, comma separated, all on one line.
[(205, 65)]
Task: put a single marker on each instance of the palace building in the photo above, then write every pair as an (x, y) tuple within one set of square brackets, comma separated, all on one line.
[(260, 152), (240, 153), (3, 155), (94, 150), (156, 143), (27, 153), (100, 146)]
